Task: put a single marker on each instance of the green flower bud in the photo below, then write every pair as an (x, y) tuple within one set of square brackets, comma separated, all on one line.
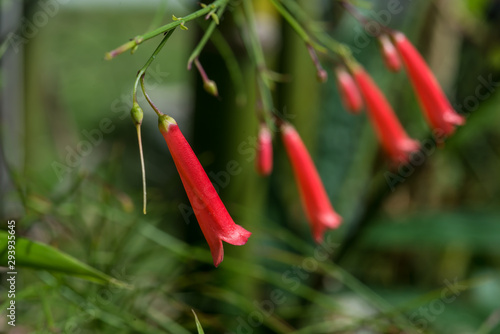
[(211, 87), (137, 114)]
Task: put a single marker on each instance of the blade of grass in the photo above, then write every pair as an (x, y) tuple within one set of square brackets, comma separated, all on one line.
[(276, 324), (36, 255), (198, 325), (238, 266)]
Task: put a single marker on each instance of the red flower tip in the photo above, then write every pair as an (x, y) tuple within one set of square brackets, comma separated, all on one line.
[(264, 160), (393, 137), (391, 56), (314, 198), (349, 91), (438, 110), (215, 222)]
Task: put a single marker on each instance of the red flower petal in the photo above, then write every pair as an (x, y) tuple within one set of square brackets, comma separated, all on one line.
[(393, 137), (318, 208), (264, 160), (390, 54), (349, 92), (438, 110), (213, 218)]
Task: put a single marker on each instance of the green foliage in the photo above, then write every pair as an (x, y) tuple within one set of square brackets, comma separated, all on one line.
[(198, 324), (32, 254), (439, 224)]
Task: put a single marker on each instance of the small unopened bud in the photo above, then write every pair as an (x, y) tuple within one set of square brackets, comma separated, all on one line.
[(390, 54), (322, 75), (264, 159), (349, 91), (211, 87), (137, 114)]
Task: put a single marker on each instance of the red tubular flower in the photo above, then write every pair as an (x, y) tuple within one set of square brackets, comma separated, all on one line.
[(438, 110), (349, 92), (315, 201), (264, 160), (393, 137), (390, 54), (215, 222)]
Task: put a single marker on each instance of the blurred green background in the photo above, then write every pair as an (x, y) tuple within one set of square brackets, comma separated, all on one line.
[(422, 257)]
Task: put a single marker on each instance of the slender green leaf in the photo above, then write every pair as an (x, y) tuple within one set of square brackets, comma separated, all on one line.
[(198, 325), (36, 255)]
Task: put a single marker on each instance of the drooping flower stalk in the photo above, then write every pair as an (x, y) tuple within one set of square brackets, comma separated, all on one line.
[(209, 85), (264, 158), (321, 74), (137, 116), (438, 110), (397, 144), (317, 206), (389, 53), (349, 91), (213, 218)]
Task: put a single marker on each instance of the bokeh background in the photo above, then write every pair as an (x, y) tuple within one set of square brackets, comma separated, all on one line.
[(421, 255)]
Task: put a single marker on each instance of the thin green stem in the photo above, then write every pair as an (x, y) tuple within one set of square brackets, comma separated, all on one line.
[(143, 168), (231, 63), (362, 19), (354, 12), (196, 52), (297, 27), (163, 29), (143, 70), (155, 108), (257, 55), (256, 51), (208, 33), (209, 85), (140, 77), (320, 72), (340, 49), (200, 68)]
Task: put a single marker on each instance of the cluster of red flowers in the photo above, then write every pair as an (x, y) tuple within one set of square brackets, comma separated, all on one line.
[(314, 198), (358, 86), (357, 89)]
